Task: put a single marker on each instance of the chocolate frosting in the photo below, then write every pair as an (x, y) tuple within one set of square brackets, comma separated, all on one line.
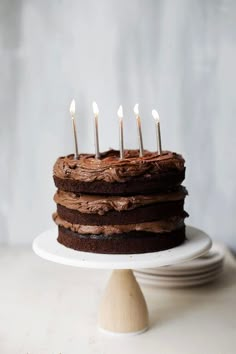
[(110, 168), (166, 225), (98, 204)]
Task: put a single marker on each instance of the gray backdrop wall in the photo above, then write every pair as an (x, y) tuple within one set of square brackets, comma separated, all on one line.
[(176, 56)]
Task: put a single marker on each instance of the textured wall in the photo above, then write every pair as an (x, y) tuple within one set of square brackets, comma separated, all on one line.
[(177, 56)]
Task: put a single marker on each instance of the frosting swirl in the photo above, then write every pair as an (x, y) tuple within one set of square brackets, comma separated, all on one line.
[(110, 168), (98, 204), (166, 225)]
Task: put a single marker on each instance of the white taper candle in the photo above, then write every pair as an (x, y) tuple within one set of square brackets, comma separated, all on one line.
[(158, 130), (138, 119), (121, 131), (96, 136), (72, 113)]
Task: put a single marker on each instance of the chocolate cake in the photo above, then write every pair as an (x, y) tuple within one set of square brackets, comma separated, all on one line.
[(113, 205)]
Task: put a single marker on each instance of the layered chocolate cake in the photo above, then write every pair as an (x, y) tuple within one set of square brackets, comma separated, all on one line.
[(113, 205)]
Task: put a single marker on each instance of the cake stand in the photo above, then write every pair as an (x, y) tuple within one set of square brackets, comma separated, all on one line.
[(123, 309)]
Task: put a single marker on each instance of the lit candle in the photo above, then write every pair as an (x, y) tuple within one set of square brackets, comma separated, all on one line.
[(72, 113), (136, 112), (96, 138), (158, 130), (121, 134)]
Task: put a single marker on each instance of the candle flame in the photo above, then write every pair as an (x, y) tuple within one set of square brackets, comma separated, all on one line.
[(136, 110), (120, 112), (72, 108), (155, 115), (95, 109)]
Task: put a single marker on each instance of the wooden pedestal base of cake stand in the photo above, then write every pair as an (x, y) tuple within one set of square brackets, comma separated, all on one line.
[(123, 310)]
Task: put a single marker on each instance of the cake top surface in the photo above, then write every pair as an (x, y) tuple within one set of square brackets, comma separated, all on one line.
[(110, 168)]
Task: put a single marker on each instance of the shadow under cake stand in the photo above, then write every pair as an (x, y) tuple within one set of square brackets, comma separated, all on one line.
[(123, 309)]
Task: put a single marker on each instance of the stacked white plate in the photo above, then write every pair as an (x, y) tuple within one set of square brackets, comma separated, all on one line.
[(199, 271)]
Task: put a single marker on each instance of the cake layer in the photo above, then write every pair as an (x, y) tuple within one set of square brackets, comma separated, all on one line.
[(146, 213), (100, 204), (110, 175), (166, 225), (147, 185), (126, 243)]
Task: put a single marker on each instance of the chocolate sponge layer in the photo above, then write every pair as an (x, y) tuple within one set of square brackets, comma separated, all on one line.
[(146, 213), (145, 184), (127, 243)]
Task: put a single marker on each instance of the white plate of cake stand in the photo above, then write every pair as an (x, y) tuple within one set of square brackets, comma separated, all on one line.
[(123, 309)]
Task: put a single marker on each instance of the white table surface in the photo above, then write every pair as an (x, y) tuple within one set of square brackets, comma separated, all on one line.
[(47, 308)]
